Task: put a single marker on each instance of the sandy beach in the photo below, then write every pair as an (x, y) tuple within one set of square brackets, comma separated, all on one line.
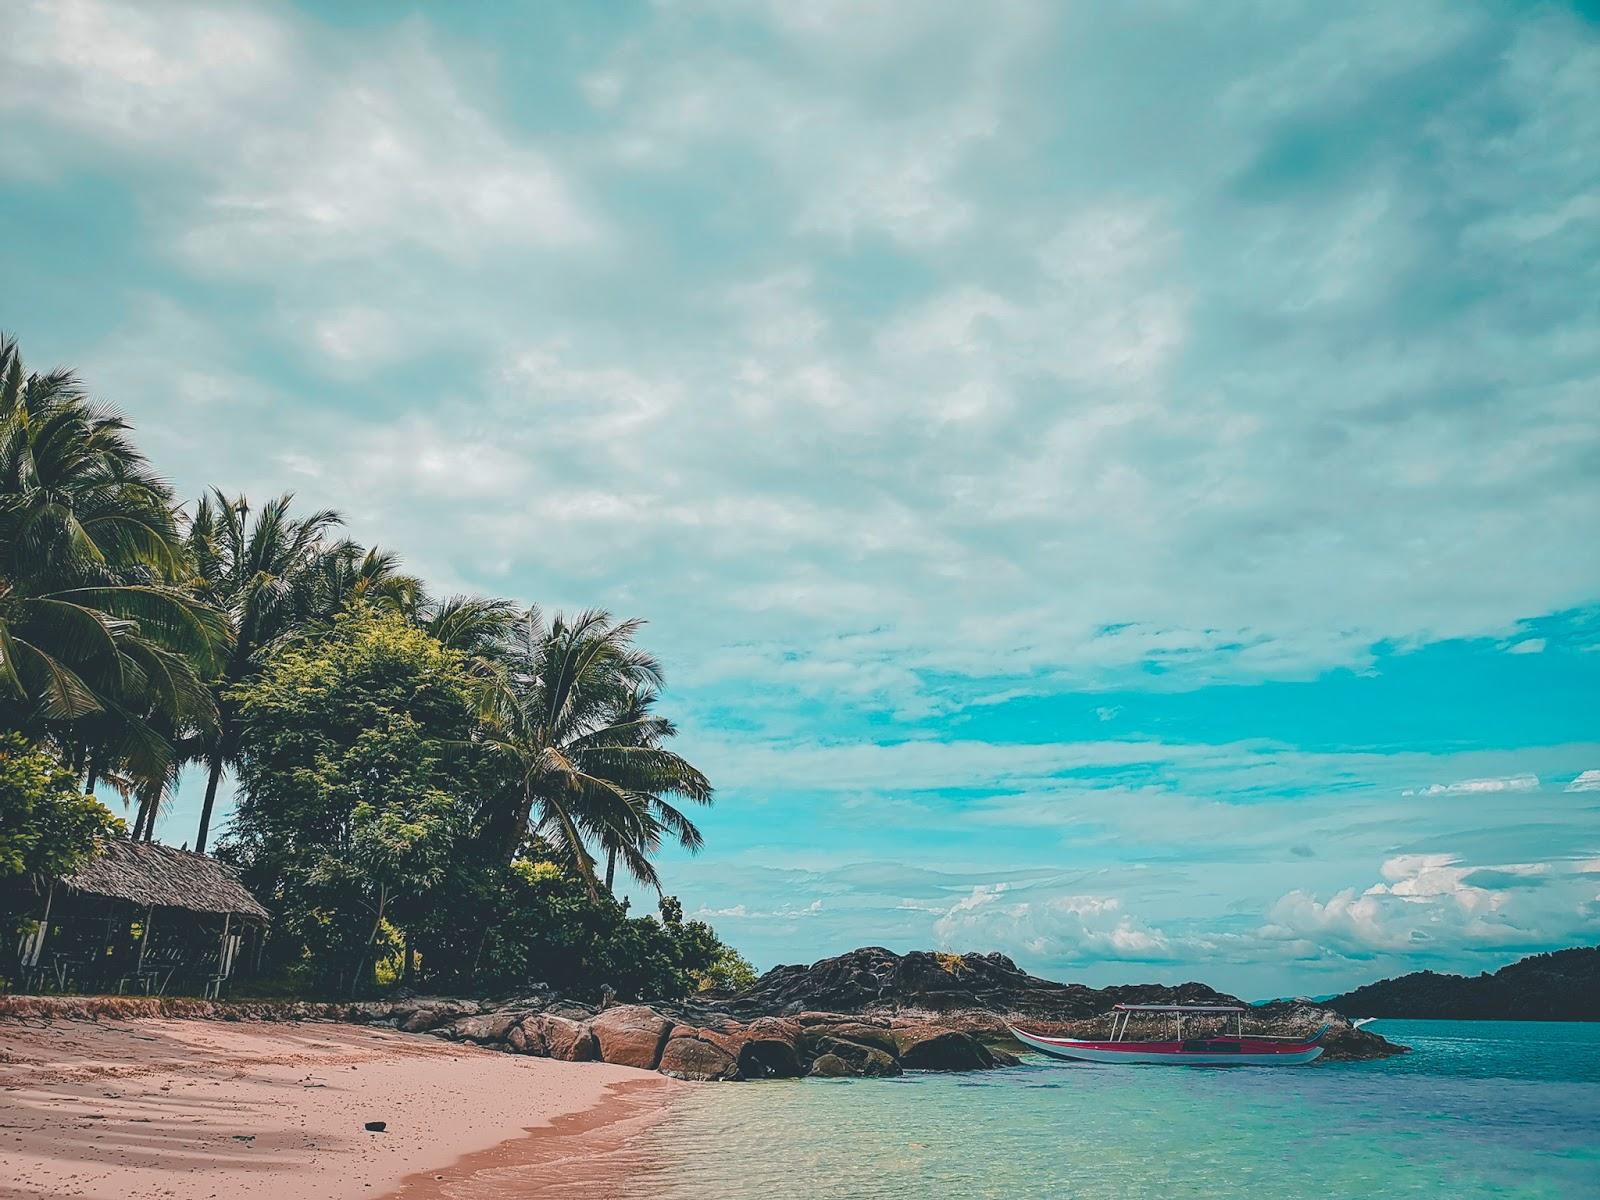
[(197, 1109)]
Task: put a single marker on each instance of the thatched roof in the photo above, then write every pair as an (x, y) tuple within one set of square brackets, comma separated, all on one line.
[(146, 874)]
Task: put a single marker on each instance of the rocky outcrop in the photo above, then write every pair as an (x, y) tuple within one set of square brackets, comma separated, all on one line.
[(921, 996), (1563, 986), (874, 979), (867, 1013)]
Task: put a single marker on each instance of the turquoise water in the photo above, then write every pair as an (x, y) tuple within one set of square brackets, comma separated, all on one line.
[(1480, 1108)]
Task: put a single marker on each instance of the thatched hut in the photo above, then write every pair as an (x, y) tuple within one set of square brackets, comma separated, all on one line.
[(145, 917)]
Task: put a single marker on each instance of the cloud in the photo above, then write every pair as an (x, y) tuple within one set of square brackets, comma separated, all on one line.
[(1513, 783), (1060, 929), (290, 158), (1050, 400), (912, 370), (1436, 905)]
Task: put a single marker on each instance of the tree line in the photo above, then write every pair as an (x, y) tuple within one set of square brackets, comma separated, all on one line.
[(438, 789)]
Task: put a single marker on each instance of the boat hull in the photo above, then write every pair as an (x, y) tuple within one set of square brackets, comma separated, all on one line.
[(1249, 1052)]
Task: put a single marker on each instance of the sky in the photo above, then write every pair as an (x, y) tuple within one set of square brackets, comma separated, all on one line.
[(1111, 484)]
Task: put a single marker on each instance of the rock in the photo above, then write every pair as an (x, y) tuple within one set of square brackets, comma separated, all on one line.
[(631, 1035), (943, 1050), (376, 1126), (423, 1015), (855, 996), (873, 978), (861, 1031), (548, 1036), (691, 1054), (488, 1029), (831, 1066), (770, 1050), (857, 1059)]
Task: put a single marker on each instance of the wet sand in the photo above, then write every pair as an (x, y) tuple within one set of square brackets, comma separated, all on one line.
[(203, 1109)]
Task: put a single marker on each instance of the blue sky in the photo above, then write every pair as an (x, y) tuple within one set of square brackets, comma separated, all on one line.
[(1112, 484)]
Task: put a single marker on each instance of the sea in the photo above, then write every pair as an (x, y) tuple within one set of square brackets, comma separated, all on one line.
[(1477, 1109)]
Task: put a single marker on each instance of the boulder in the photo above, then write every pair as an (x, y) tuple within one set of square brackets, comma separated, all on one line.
[(488, 1029), (547, 1036), (943, 1050), (770, 1049), (631, 1035), (857, 1059), (424, 1015), (831, 1066), (865, 1032), (690, 1054)]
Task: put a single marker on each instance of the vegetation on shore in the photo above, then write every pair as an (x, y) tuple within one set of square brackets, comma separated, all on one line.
[(431, 790)]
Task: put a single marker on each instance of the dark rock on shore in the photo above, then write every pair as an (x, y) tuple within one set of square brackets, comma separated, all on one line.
[(1563, 986), (875, 979), (867, 1013), (924, 995)]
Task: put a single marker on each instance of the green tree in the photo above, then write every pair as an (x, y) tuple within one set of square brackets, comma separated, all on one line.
[(275, 578), (728, 971), (571, 718), (358, 786), (549, 928), (48, 826), (102, 644)]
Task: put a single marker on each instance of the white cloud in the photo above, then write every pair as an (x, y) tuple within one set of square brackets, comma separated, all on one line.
[(1058, 928), (293, 160), (1440, 906), (1509, 783)]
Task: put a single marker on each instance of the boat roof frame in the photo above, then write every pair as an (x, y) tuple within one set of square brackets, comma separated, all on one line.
[(1182, 1008)]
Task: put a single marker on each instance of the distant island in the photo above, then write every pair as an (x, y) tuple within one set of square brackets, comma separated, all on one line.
[(1561, 986)]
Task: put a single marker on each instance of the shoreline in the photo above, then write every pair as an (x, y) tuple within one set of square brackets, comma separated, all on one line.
[(195, 1108), (581, 1152)]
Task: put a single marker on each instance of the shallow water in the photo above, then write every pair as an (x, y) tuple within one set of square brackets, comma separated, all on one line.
[(1480, 1108)]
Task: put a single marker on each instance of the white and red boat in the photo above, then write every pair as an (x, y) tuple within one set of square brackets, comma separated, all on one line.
[(1221, 1050)]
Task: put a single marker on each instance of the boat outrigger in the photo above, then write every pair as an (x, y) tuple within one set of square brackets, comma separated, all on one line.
[(1231, 1050)]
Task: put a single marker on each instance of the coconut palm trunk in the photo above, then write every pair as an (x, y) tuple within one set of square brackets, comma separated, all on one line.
[(213, 778)]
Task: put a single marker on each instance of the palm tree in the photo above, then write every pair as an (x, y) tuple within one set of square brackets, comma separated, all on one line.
[(270, 577), (275, 577), (477, 627), (572, 717), (102, 644), (633, 724)]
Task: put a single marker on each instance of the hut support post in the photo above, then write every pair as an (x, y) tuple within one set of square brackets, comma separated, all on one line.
[(36, 950), (144, 934)]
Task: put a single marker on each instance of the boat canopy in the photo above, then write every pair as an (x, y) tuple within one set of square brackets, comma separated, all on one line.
[(1182, 1008)]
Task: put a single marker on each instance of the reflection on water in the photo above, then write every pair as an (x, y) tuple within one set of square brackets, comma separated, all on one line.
[(1480, 1109)]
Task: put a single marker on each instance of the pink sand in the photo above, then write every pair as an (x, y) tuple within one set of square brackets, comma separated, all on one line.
[(202, 1109)]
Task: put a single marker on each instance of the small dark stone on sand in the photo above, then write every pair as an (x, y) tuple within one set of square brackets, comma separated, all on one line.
[(377, 1126)]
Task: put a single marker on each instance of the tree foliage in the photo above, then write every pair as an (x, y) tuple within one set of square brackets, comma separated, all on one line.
[(48, 828), (548, 928), (356, 784), (103, 646), (438, 775)]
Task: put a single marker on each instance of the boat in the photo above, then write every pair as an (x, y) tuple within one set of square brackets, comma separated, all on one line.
[(1220, 1050)]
